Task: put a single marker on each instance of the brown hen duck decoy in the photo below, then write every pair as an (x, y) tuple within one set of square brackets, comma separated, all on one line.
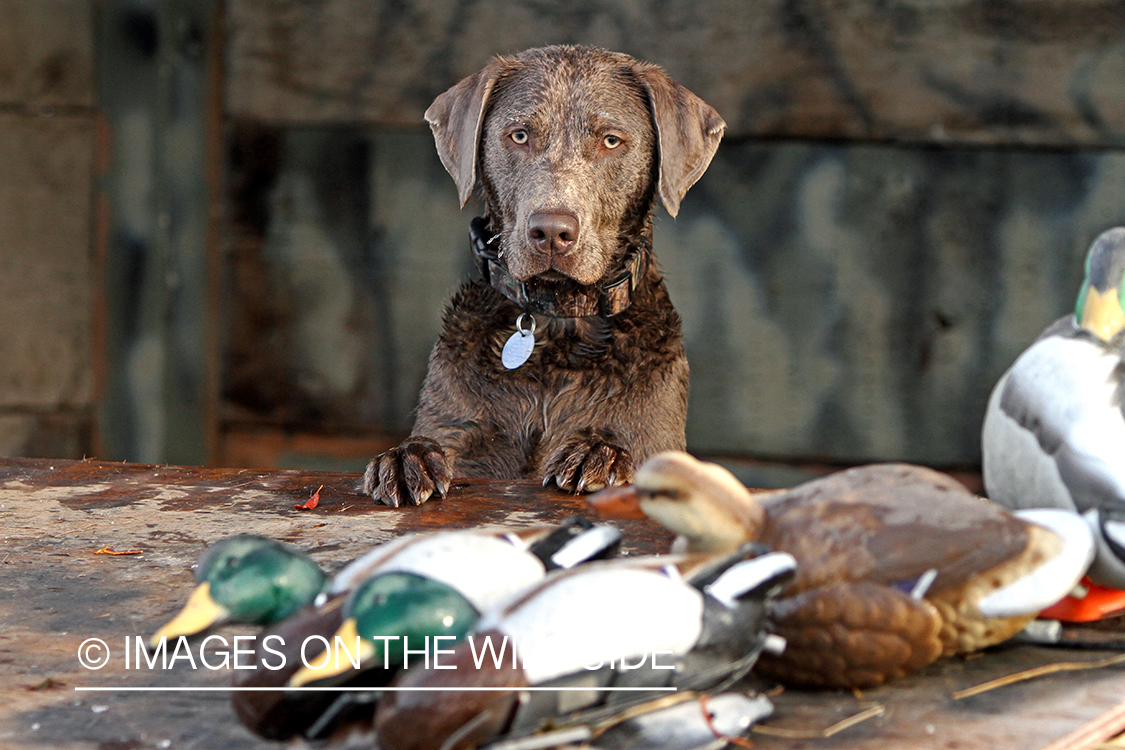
[(898, 565)]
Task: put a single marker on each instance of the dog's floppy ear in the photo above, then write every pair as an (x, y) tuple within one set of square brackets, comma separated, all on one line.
[(456, 117), (688, 131)]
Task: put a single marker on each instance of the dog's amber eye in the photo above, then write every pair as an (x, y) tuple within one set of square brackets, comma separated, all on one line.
[(519, 137), (612, 141)]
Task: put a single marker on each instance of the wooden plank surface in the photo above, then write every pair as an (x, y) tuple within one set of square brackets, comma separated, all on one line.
[(1015, 71), (921, 712), (55, 593)]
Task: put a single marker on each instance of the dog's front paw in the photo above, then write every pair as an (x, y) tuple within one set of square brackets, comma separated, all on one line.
[(589, 463), (410, 473)]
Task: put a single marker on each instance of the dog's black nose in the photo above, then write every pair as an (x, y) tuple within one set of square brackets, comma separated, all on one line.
[(553, 233)]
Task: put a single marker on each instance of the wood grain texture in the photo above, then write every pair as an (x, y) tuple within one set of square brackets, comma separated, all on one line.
[(46, 299), (848, 301), (859, 301), (55, 592), (978, 71), (47, 53)]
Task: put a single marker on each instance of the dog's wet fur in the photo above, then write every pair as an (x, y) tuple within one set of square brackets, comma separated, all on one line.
[(570, 146)]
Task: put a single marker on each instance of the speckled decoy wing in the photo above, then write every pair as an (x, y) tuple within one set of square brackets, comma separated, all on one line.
[(889, 524), (851, 635)]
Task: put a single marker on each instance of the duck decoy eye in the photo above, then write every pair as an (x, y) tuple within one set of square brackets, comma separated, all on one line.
[(664, 494)]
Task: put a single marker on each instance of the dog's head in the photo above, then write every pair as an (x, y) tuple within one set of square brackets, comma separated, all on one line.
[(571, 144)]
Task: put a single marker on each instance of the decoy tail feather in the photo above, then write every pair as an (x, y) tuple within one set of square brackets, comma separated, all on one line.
[(852, 635), (1049, 582)]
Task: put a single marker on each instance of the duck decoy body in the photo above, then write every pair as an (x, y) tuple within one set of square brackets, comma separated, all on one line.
[(602, 625), (419, 584), (253, 580), (438, 585), (897, 564), (1054, 430)]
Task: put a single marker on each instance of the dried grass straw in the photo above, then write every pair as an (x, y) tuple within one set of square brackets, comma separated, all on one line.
[(1062, 666), (816, 734)]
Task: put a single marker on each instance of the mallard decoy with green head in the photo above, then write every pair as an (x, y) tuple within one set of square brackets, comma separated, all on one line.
[(438, 588), (435, 582), (258, 581), (246, 579), (1054, 430)]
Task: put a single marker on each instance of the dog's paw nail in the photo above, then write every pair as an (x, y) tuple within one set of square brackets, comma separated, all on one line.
[(371, 478)]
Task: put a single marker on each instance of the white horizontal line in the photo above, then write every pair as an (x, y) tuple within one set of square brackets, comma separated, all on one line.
[(362, 689)]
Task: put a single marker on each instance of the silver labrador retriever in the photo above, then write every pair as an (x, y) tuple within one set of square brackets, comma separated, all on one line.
[(564, 362)]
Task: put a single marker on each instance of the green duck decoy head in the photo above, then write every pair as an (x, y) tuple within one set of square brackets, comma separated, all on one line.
[(246, 579), (1098, 309), (384, 616)]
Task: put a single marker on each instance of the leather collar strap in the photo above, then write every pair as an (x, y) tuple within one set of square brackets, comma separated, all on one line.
[(559, 299)]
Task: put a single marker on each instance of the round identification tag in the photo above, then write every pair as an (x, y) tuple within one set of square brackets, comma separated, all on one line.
[(520, 344)]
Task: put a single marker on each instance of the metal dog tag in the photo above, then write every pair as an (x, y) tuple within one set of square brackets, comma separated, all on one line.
[(519, 345)]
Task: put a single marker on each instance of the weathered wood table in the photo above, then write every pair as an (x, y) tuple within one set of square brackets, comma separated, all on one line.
[(57, 591)]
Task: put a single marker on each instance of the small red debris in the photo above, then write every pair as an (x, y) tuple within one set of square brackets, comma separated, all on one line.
[(312, 502)]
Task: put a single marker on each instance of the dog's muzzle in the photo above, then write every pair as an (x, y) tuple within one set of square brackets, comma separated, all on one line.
[(563, 298)]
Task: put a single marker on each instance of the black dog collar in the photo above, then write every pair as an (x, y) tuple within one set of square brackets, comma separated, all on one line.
[(559, 299)]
